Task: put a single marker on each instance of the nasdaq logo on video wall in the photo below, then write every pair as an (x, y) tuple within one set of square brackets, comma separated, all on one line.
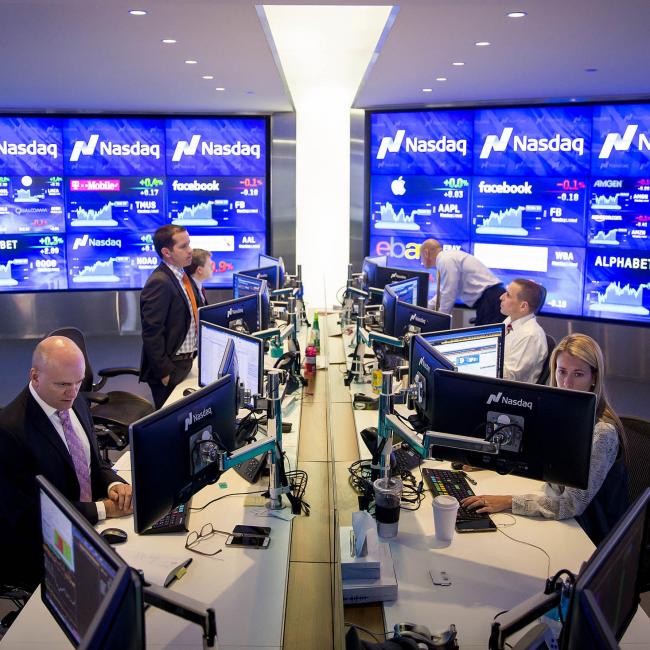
[(559, 194), (80, 198)]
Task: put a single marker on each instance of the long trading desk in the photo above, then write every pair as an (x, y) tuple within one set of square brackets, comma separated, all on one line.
[(489, 572), (246, 587)]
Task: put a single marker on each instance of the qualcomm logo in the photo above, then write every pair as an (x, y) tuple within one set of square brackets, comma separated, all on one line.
[(196, 417), (526, 143), (137, 148), (500, 397), (618, 142), (185, 148), (444, 144)]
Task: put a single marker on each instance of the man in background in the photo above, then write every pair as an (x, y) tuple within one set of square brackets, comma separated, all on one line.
[(48, 430), (201, 270), (525, 346), (169, 315), (461, 275)]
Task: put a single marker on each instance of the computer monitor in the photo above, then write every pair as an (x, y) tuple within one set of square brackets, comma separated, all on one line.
[(269, 273), (389, 302), (94, 596), (548, 430), (388, 275), (265, 307), (406, 290), (473, 350), (606, 593), (239, 314), (410, 319), (369, 270), (245, 285), (423, 360), (267, 260), (213, 341), (173, 451)]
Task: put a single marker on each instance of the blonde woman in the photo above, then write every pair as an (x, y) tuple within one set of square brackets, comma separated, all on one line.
[(577, 363)]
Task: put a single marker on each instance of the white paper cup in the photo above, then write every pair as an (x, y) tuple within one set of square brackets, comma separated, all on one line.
[(444, 517)]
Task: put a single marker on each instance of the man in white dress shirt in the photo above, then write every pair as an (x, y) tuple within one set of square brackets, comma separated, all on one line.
[(461, 275), (525, 345)]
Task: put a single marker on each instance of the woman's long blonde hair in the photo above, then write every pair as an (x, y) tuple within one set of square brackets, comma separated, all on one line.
[(583, 347)]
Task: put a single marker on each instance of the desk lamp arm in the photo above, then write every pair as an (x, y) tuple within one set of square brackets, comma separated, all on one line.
[(186, 608)]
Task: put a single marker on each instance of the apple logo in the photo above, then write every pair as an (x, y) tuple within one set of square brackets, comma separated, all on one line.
[(398, 187)]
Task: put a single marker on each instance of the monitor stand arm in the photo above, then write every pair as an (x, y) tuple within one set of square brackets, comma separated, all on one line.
[(184, 607)]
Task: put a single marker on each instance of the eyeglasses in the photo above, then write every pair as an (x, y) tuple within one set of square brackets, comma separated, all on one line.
[(206, 531)]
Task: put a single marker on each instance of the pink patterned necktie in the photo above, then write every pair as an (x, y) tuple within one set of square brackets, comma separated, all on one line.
[(508, 328), (78, 456)]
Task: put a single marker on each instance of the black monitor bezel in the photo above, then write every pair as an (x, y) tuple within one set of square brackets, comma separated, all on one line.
[(583, 601), (477, 328), (273, 271), (206, 476), (418, 309), (232, 334), (204, 312), (554, 461), (422, 278), (121, 581), (251, 277)]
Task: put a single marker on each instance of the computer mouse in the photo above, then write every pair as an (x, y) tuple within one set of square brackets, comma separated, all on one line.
[(114, 535), (188, 391)]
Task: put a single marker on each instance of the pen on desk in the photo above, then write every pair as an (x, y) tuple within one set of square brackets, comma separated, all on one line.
[(178, 572)]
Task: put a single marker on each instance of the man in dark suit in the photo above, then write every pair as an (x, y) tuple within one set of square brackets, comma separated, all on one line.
[(168, 312), (48, 430), (201, 270)]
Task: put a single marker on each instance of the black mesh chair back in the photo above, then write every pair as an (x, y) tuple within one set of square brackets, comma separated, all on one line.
[(637, 454), (77, 336), (546, 369)]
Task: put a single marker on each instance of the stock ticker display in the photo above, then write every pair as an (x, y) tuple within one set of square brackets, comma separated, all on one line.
[(80, 198), (558, 194)]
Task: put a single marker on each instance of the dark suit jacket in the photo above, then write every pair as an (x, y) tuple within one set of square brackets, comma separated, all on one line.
[(165, 317), (30, 445)]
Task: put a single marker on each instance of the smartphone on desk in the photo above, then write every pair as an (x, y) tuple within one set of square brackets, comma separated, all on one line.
[(248, 541), (249, 536)]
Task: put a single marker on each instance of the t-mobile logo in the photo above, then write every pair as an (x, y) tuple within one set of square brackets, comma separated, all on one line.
[(390, 144), (85, 148), (494, 398), (185, 148), (496, 143), (618, 142)]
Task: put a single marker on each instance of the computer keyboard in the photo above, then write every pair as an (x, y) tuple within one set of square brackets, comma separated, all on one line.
[(448, 482), (175, 521)]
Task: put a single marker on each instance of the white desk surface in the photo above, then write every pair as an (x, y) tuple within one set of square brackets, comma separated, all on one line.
[(488, 571), (246, 587)]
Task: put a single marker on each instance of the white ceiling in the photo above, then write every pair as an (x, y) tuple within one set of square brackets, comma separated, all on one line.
[(91, 55)]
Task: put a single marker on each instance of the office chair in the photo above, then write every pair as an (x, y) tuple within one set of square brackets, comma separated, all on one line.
[(541, 304), (112, 411), (546, 368), (637, 452)]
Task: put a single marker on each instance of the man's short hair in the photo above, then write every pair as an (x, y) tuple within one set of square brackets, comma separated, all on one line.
[(164, 237), (199, 258), (531, 292)]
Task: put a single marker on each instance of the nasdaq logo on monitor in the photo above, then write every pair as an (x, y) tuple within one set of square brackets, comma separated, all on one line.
[(621, 140), (225, 146), (30, 146), (544, 141), (114, 146), (425, 142)]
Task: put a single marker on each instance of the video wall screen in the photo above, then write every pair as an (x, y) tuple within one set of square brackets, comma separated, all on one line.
[(558, 194), (80, 197)]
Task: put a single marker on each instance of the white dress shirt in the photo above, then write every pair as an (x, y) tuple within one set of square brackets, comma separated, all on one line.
[(52, 416), (461, 275), (525, 349)]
